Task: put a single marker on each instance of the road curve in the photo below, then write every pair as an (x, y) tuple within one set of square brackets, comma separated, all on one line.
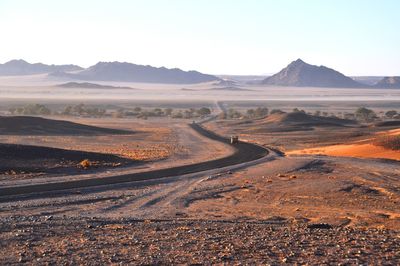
[(244, 152)]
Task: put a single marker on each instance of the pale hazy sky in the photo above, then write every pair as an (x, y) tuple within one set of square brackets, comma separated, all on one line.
[(356, 37)]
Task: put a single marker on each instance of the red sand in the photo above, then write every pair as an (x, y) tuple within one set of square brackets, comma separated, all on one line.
[(352, 150)]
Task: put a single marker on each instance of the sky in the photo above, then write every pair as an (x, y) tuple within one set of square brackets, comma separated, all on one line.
[(246, 37)]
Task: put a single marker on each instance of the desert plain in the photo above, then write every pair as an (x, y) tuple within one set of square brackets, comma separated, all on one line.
[(326, 189)]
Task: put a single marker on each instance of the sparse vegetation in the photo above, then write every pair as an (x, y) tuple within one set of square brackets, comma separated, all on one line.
[(203, 111), (31, 109), (233, 114), (389, 142), (297, 110), (83, 110), (391, 113), (276, 111), (261, 112), (85, 164)]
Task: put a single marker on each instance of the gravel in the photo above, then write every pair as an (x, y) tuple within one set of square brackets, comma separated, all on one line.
[(94, 241)]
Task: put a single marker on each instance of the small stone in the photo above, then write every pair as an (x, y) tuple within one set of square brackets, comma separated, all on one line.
[(320, 226)]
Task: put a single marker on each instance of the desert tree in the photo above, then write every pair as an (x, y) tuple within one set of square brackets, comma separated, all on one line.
[(203, 111), (276, 111), (261, 112), (250, 113), (168, 111), (391, 113), (365, 114), (67, 110)]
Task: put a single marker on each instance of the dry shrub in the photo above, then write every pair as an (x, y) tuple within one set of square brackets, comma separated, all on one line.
[(85, 163), (389, 142)]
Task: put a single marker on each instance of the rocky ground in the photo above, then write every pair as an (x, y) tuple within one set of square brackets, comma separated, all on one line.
[(304, 209), (59, 241)]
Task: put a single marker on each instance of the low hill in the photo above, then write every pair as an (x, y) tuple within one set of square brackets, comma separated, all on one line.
[(16, 158), (86, 85), (226, 82), (21, 67), (297, 121), (28, 125), (127, 72), (300, 74), (388, 83), (306, 119), (229, 88)]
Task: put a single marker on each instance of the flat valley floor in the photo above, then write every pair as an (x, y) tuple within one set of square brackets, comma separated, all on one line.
[(300, 204)]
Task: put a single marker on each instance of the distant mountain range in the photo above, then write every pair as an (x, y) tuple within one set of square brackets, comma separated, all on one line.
[(107, 71), (296, 74), (21, 67), (300, 74), (117, 71), (389, 83)]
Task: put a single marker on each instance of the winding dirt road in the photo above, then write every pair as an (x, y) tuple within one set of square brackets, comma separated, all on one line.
[(244, 153)]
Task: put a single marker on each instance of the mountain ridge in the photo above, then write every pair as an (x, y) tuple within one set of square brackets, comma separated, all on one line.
[(128, 72), (21, 67), (389, 83)]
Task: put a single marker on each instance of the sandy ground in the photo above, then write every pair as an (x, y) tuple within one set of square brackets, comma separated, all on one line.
[(338, 190), (263, 214), (156, 139), (156, 144), (352, 141), (352, 150), (364, 148), (319, 189)]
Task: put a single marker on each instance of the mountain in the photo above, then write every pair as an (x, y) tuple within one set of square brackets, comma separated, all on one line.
[(118, 71), (21, 67), (300, 74), (86, 85), (389, 83)]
